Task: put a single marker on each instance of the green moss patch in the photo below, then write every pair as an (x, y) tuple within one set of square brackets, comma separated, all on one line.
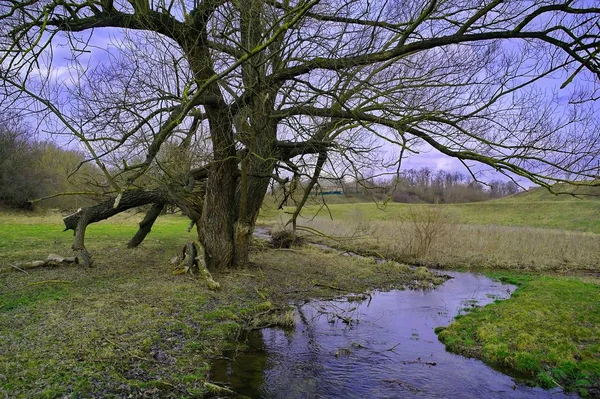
[(549, 332), (30, 296)]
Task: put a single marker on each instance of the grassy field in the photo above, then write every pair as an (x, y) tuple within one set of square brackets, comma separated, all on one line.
[(128, 327), (529, 231), (462, 246), (572, 215)]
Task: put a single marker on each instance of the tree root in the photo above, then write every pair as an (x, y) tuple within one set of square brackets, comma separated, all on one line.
[(192, 261)]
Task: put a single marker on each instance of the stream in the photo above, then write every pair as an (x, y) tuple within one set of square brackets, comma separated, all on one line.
[(382, 346)]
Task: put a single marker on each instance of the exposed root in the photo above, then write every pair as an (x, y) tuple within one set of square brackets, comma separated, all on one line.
[(192, 261)]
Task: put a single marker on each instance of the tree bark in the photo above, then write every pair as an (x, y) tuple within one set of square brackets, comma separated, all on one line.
[(79, 220), (260, 138), (146, 225), (129, 199), (81, 253), (218, 217)]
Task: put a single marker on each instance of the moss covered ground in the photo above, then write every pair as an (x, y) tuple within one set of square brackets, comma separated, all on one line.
[(548, 332)]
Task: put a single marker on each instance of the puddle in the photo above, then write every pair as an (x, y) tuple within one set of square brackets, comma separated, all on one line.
[(262, 233)]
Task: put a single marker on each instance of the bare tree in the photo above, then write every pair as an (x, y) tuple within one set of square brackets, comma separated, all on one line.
[(260, 90)]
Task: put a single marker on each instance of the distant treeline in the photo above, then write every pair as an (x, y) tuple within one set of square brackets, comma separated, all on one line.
[(423, 186), (31, 169)]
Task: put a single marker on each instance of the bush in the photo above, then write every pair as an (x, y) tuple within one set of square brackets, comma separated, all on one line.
[(284, 238), (19, 177), (426, 225), (31, 169)]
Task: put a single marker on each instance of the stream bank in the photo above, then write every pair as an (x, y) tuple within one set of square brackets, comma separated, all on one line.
[(380, 345)]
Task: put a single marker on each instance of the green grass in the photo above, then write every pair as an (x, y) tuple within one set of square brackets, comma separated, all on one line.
[(128, 326), (574, 215), (33, 236), (534, 208), (567, 193), (548, 331)]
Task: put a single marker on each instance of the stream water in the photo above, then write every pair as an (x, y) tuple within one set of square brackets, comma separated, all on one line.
[(381, 347)]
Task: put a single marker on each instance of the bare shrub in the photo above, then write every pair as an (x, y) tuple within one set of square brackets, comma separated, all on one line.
[(425, 226), (362, 225)]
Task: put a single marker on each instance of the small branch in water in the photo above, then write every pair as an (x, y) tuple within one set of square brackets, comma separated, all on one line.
[(333, 287), (419, 361), (219, 389), (393, 348)]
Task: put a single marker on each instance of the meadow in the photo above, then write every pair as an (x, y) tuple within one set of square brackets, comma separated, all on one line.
[(529, 231), (130, 327)]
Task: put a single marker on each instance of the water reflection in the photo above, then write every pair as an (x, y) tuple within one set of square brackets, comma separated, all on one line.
[(382, 347)]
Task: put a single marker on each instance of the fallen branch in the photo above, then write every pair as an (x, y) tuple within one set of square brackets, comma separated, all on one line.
[(332, 287), (18, 268), (52, 260), (221, 390), (51, 282)]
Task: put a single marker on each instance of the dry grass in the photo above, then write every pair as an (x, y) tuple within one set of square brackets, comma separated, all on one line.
[(469, 246)]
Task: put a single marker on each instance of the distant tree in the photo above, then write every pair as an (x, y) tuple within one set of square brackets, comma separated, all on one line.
[(499, 188), (424, 185), (284, 90)]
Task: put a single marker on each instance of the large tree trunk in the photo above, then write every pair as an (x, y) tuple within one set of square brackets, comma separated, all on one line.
[(215, 230), (233, 197), (256, 171)]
